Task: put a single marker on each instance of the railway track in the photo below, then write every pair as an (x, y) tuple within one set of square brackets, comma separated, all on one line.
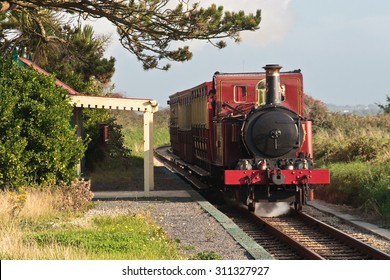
[(265, 237), (294, 236), (299, 236)]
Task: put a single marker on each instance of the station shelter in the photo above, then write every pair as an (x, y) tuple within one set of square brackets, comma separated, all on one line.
[(79, 101)]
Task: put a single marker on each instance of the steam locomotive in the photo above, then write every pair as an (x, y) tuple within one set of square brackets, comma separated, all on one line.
[(246, 134)]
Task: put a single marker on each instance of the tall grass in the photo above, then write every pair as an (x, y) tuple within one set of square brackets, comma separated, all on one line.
[(360, 184), (32, 226), (133, 130), (22, 212), (27, 205), (135, 141), (357, 151), (361, 144)]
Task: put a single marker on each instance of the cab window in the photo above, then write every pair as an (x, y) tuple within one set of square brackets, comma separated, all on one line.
[(240, 94), (262, 90)]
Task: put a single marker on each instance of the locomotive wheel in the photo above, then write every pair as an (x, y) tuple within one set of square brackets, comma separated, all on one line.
[(238, 195), (251, 206), (297, 206), (298, 199), (245, 195), (250, 201)]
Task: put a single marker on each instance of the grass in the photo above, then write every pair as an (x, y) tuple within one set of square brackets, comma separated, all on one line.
[(134, 139), (133, 132), (32, 227), (123, 237), (356, 149), (26, 211), (359, 184)]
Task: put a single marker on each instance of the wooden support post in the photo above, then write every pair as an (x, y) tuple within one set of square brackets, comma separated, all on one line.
[(148, 152), (78, 121)]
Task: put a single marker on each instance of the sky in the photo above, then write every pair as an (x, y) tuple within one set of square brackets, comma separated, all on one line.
[(342, 48)]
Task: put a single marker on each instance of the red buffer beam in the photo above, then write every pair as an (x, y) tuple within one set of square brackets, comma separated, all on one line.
[(279, 177)]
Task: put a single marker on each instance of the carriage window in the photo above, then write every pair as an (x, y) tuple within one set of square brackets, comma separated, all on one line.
[(240, 94)]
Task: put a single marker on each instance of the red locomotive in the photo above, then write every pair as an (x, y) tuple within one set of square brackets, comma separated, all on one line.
[(246, 133)]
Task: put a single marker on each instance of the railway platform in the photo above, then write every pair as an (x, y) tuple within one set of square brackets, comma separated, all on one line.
[(167, 186)]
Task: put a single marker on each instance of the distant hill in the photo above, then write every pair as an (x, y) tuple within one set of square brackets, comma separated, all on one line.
[(363, 110)]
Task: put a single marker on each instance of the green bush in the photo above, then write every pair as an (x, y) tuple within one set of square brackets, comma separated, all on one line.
[(359, 184), (36, 141), (112, 155), (338, 146)]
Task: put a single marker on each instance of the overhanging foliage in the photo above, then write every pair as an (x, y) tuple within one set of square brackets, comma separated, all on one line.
[(147, 28)]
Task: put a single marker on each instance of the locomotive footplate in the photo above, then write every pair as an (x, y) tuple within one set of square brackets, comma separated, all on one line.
[(277, 177)]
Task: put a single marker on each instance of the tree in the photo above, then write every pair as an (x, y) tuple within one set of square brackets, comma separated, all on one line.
[(37, 143), (147, 28), (317, 111), (81, 64), (87, 51), (36, 32), (386, 108)]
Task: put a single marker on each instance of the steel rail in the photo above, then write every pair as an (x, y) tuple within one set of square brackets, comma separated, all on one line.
[(347, 239), (299, 248)]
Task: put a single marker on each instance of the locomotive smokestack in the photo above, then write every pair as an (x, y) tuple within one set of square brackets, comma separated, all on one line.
[(273, 95)]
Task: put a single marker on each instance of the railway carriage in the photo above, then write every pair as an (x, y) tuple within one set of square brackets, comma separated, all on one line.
[(246, 134)]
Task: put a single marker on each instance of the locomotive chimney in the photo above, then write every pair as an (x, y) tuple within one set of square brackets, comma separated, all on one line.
[(273, 94)]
